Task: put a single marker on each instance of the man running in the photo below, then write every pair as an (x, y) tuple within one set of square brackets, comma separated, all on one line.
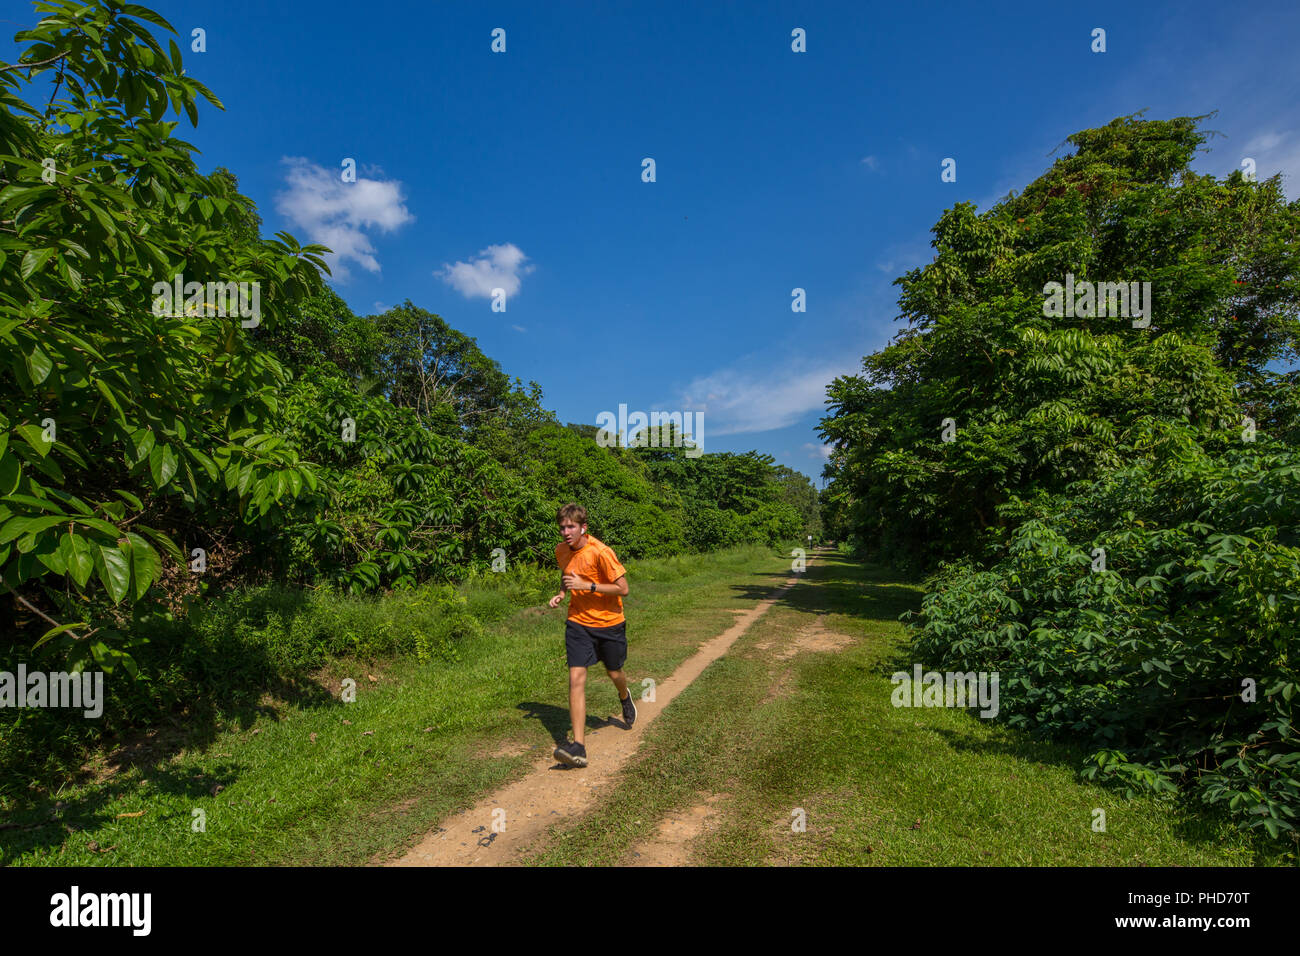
[(596, 629)]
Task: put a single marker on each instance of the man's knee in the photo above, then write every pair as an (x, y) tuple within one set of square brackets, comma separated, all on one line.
[(577, 676)]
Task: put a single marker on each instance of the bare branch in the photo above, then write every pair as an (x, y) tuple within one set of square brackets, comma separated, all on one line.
[(35, 610), (28, 66)]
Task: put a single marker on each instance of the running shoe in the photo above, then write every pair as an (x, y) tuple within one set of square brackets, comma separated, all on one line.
[(572, 753)]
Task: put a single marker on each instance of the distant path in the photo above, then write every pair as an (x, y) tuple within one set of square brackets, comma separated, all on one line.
[(551, 792)]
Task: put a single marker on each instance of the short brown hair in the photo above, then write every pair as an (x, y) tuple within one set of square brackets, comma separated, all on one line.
[(575, 512)]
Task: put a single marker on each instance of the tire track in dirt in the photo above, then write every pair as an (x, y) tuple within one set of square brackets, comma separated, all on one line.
[(676, 840), (551, 792)]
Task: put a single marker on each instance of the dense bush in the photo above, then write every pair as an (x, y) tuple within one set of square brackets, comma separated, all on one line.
[(398, 504), (216, 665), (1153, 614)]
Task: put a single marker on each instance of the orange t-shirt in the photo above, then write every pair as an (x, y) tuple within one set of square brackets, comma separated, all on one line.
[(594, 561)]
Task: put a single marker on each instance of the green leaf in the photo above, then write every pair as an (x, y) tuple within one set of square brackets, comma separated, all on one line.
[(142, 442), (114, 571), (107, 392), (43, 504), (103, 527), (34, 259), (14, 527), (145, 564), (166, 543), (56, 631), (77, 557), (34, 435), (54, 560), (39, 364), (169, 463), (129, 498), (162, 464)]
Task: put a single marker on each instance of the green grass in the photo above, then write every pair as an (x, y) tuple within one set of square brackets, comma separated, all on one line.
[(879, 785), (828, 742), (350, 795)]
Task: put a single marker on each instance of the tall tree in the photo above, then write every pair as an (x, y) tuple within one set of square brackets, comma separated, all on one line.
[(987, 394), (118, 406)]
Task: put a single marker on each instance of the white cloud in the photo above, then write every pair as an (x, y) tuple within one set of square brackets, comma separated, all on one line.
[(902, 257), (1265, 141), (736, 402), (496, 267), (519, 328), (338, 214), (818, 451), (1275, 152), (871, 163), (1008, 184)]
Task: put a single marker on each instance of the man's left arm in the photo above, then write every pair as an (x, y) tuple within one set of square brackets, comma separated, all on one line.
[(611, 568), (618, 587)]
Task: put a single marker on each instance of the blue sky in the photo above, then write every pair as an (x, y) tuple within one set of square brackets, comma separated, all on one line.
[(775, 170)]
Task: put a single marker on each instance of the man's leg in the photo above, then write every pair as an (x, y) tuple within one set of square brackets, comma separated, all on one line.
[(620, 682), (578, 701)]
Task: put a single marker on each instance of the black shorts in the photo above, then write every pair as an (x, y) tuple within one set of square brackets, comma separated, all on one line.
[(585, 645)]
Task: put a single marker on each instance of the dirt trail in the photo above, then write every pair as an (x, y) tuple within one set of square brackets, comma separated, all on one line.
[(551, 792)]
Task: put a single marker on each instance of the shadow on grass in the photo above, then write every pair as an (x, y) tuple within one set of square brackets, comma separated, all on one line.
[(51, 742), (556, 719), (196, 690), (48, 822), (835, 584), (1196, 823)]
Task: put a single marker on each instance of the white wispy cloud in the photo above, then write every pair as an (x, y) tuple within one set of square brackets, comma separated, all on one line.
[(1276, 152), (740, 401), (496, 267), (900, 257), (871, 163), (821, 452), (339, 214)]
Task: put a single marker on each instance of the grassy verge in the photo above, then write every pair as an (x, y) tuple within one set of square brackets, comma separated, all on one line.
[(877, 785), (314, 780)]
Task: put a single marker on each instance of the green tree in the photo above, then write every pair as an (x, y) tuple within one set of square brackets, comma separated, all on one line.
[(116, 413), (442, 375), (322, 332), (983, 395), (624, 505)]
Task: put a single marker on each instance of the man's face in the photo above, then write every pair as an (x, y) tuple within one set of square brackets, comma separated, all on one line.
[(571, 531)]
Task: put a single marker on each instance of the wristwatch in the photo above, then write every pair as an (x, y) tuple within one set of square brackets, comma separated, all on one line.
[(593, 587)]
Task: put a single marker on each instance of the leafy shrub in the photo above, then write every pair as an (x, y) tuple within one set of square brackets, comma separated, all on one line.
[(1150, 657)]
